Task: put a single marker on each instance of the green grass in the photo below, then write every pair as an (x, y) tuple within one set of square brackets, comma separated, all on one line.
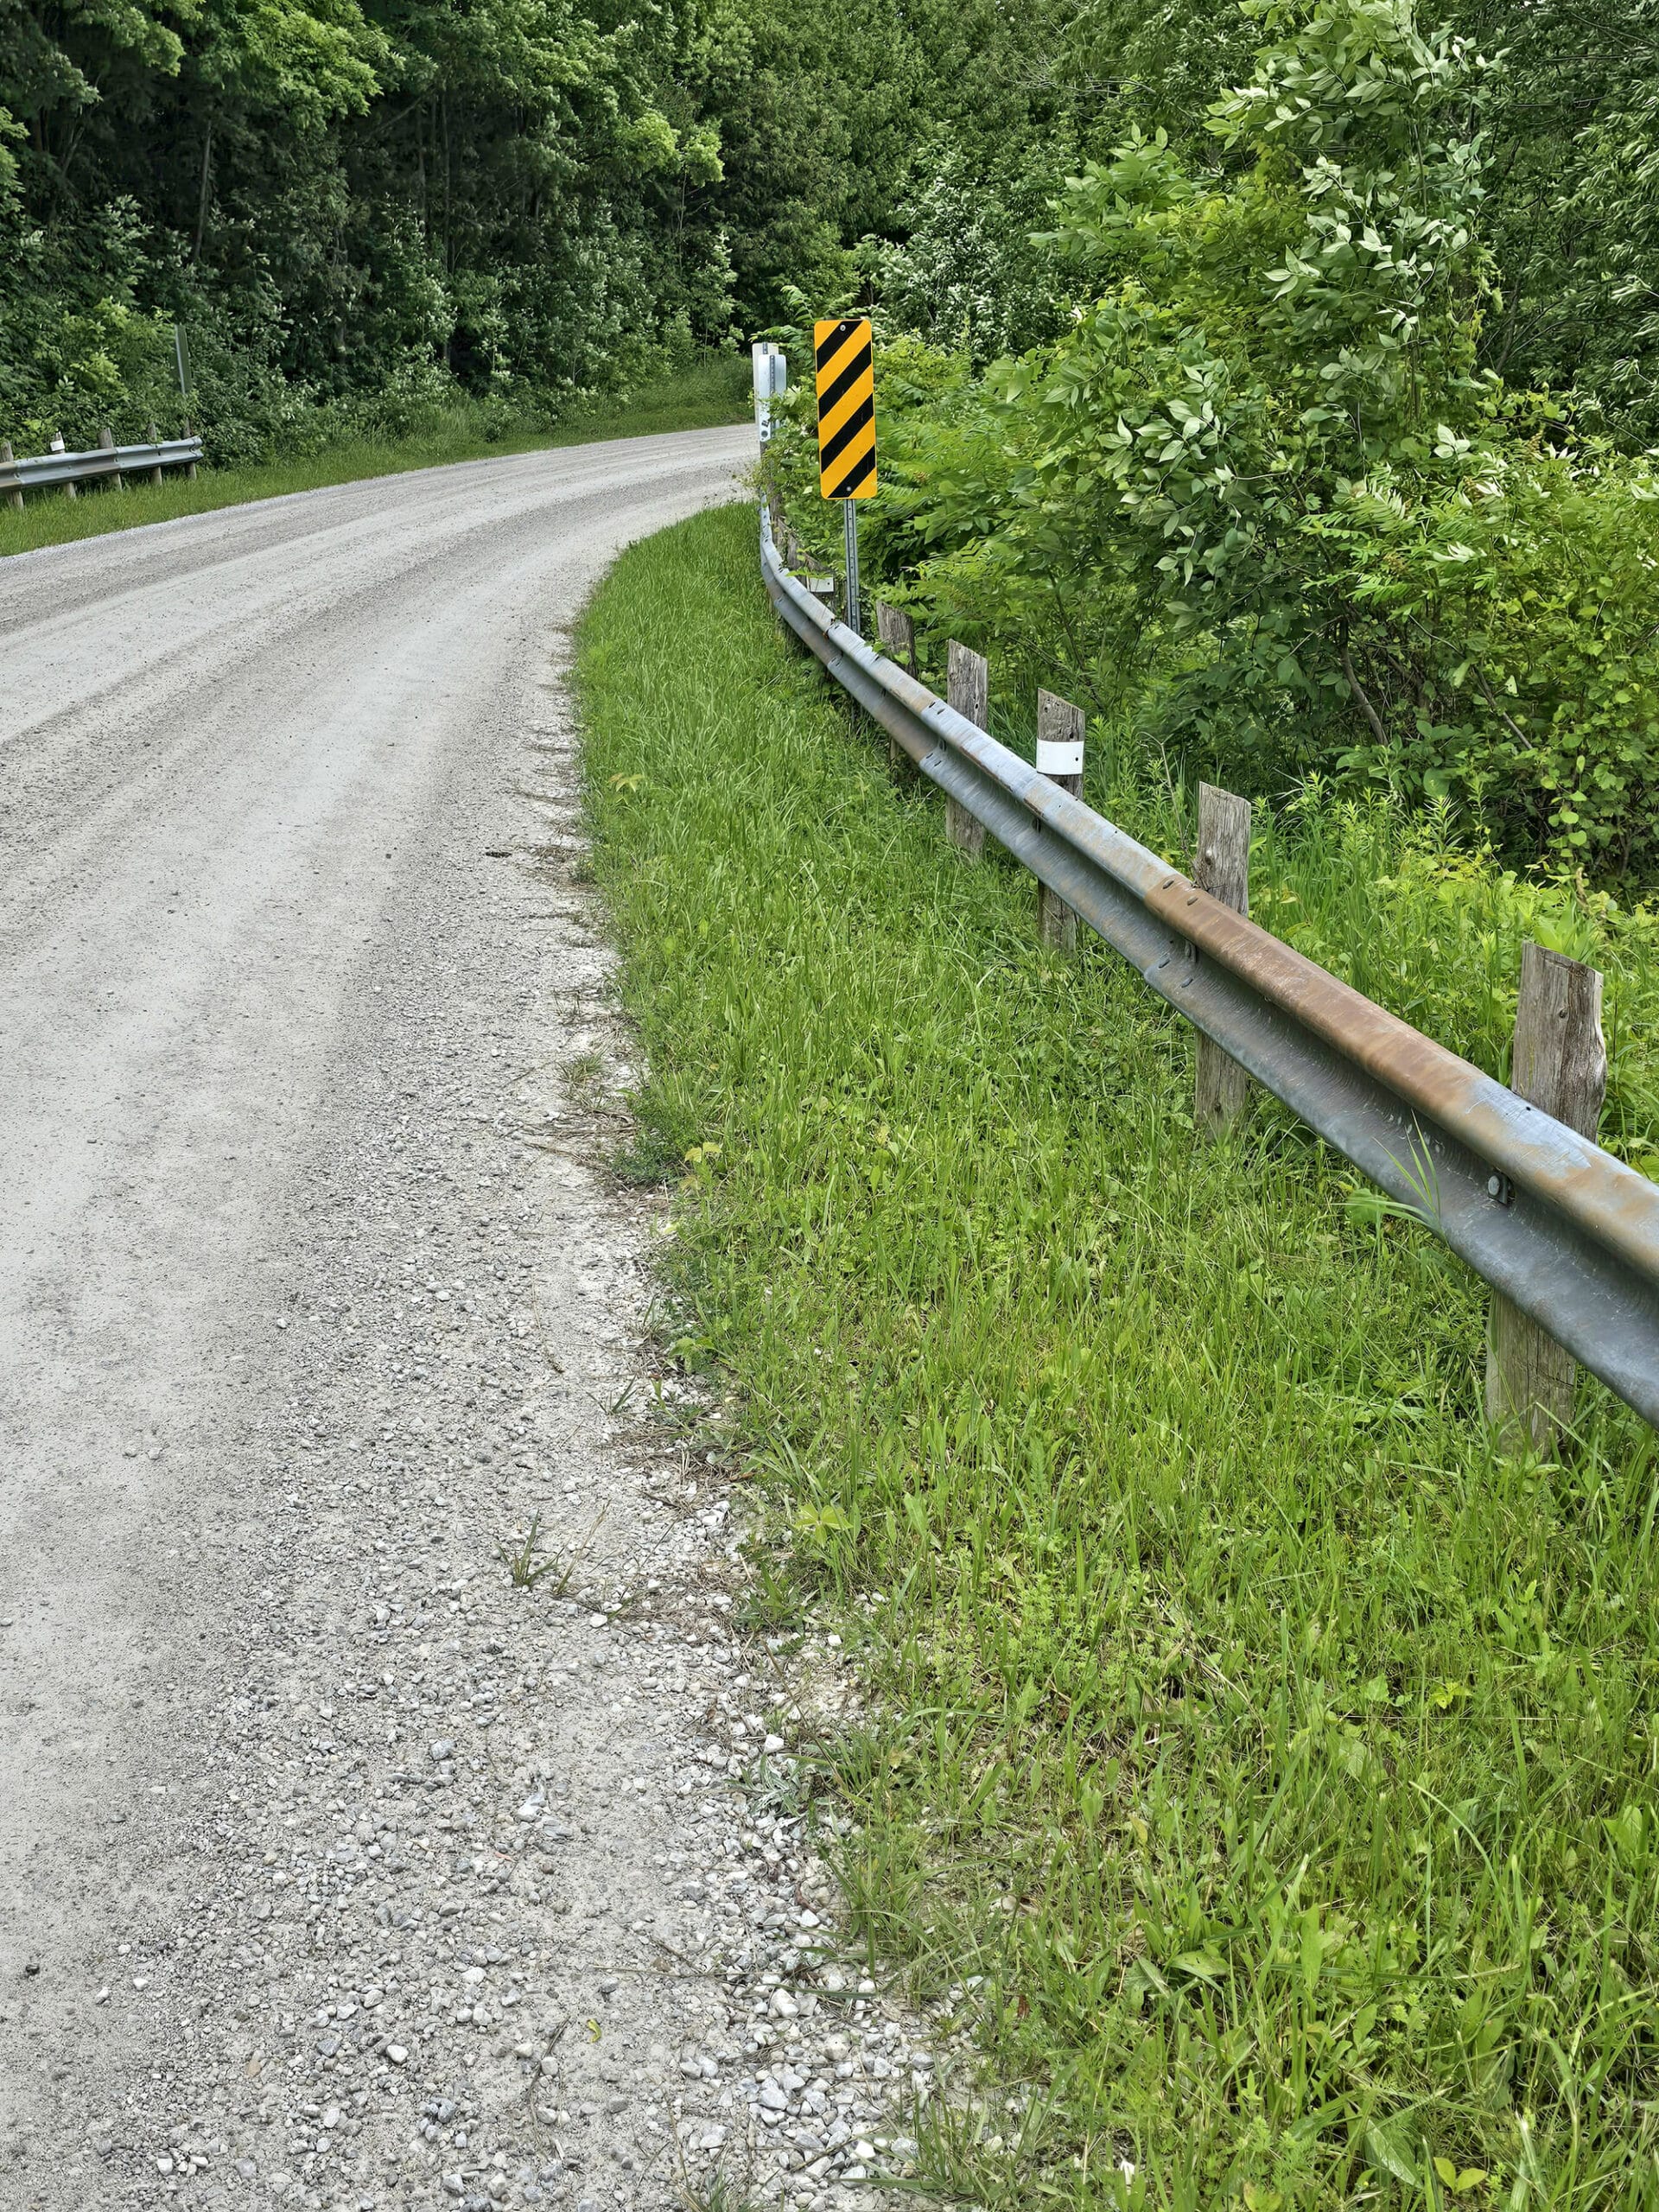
[(703, 399), (1279, 1759)]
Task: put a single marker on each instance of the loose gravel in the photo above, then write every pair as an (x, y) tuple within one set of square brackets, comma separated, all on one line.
[(343, 1869)]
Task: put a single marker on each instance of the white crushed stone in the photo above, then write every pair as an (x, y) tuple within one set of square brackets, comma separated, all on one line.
[(489, 1895)]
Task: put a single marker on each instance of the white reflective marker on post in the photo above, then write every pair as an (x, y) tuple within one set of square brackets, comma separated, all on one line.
[(1059, 756), (770, 368)]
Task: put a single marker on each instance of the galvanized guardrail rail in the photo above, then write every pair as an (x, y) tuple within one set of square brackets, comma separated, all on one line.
[(1566, 1232), (104, 464)]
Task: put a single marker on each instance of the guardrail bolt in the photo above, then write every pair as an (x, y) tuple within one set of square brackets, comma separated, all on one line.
[(1060, 757), (1559, 1063), (8, 460), (895, 633), (1221, 1088), (968, 689)]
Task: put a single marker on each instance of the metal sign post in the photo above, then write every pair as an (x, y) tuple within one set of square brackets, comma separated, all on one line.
[(771, 379), (850, 524), (844, 360)]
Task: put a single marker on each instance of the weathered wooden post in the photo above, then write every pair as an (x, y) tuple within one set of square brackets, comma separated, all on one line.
[(895, 633), (156, 439), (107, 441), (1221, 867), (1559, 1063), (8, 460), (190, 466), (968, 689), (1060, 757)]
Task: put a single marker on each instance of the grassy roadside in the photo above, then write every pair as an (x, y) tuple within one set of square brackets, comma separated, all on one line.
[(1279, 1759), (703, 399)]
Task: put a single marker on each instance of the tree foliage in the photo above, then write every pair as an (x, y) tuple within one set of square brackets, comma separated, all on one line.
[(1304, 423), (1265, 490), (349, 199)]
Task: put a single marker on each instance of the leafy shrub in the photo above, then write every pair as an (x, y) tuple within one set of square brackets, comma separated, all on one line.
[(1259, 497)]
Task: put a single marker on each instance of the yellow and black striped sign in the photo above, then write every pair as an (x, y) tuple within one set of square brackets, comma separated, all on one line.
[(846, 409)]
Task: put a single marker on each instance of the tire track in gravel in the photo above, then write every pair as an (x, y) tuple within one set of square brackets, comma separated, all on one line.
[(334, 1870)]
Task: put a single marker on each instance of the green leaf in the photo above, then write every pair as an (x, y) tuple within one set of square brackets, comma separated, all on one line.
[(1386, 2152)]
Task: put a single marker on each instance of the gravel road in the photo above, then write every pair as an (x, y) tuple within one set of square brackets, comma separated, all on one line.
[(335, 1868)]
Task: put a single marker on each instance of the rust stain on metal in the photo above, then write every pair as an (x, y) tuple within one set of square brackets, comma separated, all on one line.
[(1553, 1162), (1610, 1202)]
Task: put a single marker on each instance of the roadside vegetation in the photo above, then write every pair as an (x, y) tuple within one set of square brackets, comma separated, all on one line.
[(715, 393), (352, 209), (1265, 496), (1268, 1763)]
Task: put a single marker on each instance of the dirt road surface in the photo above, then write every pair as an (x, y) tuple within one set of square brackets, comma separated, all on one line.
[(335, 1869)]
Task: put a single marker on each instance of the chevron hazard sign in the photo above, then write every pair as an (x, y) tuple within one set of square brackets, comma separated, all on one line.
[(846, 409)]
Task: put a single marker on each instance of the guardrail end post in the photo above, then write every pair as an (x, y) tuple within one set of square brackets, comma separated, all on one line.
[(1559, 1062), (15, 491), (1221, 1088), (1060, 757), (895, 633), (968, 689)]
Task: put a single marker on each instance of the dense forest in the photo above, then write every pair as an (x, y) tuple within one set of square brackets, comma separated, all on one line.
[(346, 198), (1281, 373)]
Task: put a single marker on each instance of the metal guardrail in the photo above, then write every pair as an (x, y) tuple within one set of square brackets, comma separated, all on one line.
[(41, 471), (1566, 1231)]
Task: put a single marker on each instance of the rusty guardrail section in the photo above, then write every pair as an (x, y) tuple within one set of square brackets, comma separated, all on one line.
[(1565, 1231)]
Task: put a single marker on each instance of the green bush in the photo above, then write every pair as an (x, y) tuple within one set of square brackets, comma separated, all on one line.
[(1261, 497)]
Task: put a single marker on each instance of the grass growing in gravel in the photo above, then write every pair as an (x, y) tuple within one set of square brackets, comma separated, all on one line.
[(1278, 1758), (701, 399)]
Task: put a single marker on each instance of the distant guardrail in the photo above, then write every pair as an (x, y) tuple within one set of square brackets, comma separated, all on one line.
[(107, 463), (1565, 1231)]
